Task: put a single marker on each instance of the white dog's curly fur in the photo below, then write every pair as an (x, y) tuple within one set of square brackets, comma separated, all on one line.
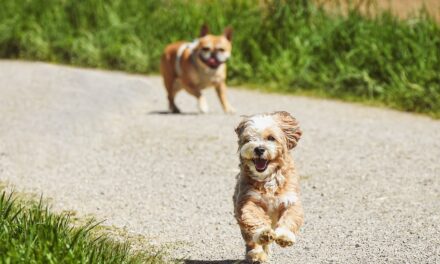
[(266, 199)]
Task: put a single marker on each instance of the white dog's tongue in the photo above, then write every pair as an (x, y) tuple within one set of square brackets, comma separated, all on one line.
[(260, 164)]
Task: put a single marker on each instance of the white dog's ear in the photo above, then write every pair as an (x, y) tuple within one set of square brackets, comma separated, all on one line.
[(204, 30), (290, 127), (240, 128)]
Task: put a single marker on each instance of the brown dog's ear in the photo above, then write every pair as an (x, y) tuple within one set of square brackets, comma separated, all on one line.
[(228, 33), (204, 30), (290, 127)]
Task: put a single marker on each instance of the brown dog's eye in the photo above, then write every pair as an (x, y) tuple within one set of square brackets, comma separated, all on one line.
[(270, 138), (221, 50), (206, 49)]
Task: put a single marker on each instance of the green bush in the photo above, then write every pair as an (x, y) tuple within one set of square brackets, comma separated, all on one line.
[(289, 46)]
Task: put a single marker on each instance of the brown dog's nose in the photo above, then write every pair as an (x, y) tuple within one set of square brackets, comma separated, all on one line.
[(259, 151)]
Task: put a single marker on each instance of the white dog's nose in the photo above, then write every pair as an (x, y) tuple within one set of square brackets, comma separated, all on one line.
[(259, 151)]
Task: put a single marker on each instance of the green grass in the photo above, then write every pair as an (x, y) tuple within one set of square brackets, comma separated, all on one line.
[(30, 233), (290, 46)]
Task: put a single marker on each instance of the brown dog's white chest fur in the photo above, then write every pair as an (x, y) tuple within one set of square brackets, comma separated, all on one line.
[(206, 77)]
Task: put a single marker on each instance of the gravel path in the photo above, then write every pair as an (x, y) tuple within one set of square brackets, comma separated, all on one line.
[(96, 142)]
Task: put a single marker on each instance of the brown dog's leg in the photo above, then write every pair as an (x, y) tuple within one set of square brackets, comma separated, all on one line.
[(288, 225), (201, 101), (171, 105), (169, 79), (256, 229), (221, 92), (176, 86)]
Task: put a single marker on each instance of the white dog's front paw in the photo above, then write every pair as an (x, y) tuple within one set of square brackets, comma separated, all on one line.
[(256, 255), (264, 236), (284, 237)]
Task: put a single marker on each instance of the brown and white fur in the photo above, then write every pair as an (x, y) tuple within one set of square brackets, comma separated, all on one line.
[(266, 199), (197, 65)]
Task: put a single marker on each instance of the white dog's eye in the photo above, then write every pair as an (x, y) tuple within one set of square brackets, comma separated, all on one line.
[(270, 138)]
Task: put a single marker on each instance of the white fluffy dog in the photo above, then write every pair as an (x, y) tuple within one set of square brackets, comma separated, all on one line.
[(266, 198)]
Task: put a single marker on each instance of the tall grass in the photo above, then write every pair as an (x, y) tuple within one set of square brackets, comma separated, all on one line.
[(289, 46), (32, 234)]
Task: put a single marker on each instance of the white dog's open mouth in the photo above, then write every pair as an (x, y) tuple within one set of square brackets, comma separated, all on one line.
[(260, 164)]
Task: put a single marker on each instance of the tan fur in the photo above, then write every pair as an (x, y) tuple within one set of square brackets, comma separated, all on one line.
[(258, 203), (195, 73)]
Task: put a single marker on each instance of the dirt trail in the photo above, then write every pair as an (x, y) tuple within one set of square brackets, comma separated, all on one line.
[(96, 142)]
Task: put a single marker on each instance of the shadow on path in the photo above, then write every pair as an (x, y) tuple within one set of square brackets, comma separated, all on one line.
[(228, 261), (170, 113)]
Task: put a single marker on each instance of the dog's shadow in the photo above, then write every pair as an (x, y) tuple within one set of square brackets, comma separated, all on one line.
[(228, 261), (171, 113)]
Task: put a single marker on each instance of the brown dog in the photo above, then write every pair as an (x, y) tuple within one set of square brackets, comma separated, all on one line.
[(266, 199), (197, 65)]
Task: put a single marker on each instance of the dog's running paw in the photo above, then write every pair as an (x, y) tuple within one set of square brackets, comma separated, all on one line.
[(264, 236), (256, 255), (284, 237)]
